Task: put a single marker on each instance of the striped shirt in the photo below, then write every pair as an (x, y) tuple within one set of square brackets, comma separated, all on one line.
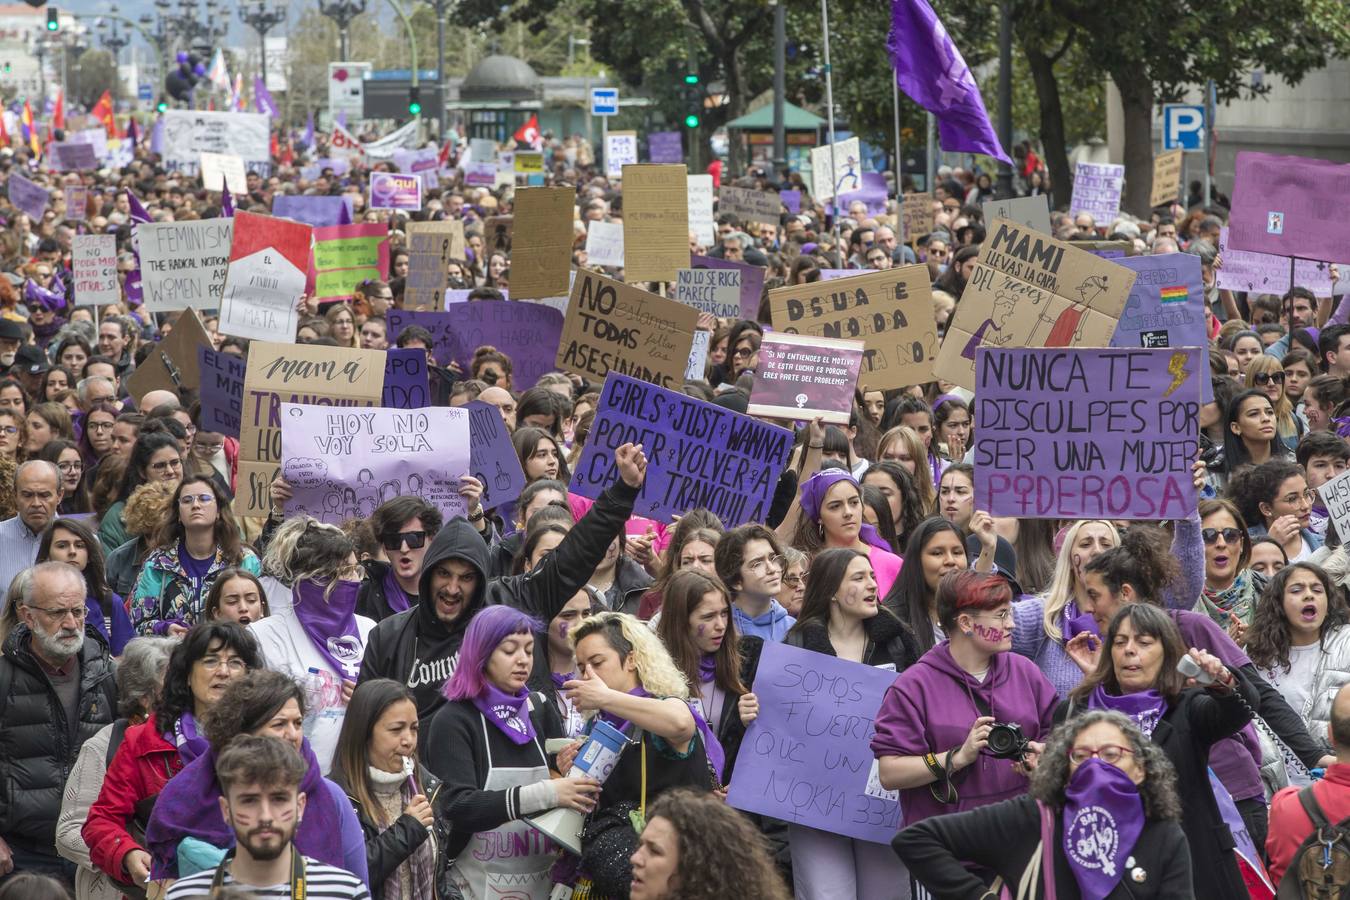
[(322, 882)]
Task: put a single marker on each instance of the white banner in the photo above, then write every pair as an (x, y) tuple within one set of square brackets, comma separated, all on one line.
[(188, 134)]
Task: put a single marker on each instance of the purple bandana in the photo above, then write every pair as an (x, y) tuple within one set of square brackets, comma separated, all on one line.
[(712, 747), (190, 744), (54, 300), (331, 624), (394, 595), (1143, 708), (1076, 625), (509, 712), (707, 666), (1103, 817), (813, 495), (561, 678)]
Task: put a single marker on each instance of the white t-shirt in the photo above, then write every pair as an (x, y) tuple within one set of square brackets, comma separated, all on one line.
[(1296, 684), (321, 883)]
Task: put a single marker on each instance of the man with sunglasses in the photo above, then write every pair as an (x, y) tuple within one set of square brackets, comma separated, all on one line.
[(403, 526)]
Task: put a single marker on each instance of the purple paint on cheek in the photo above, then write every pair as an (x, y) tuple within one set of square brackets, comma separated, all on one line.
[(700, 631), (563, 628), (992, 635)]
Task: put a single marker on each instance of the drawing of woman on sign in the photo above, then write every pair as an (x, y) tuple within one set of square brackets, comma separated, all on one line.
[(1003, 308)]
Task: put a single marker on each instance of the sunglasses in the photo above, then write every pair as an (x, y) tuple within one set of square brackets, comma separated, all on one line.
[(1265, 378), (396, 539), (1229, 535)]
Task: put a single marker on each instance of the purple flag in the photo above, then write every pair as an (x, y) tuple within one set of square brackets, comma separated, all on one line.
[(138, 213), (226, 201), (1290, 206), (263, 98), (309, 129), (932, 72), (157, 136)]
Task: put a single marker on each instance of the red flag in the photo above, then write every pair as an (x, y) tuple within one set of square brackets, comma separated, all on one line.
[(4, 133), (529, 133), (103, 111), (59, 110), (444, 158)]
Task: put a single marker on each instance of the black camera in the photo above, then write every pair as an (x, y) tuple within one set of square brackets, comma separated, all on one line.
[(1006, 741)]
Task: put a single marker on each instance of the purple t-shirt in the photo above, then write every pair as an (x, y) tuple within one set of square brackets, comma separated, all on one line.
[(195, 568)]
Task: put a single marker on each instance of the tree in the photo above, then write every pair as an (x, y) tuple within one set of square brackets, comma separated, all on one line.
[(94, 73)]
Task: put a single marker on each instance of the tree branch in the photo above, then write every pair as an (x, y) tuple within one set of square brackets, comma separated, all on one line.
[(1064, 47)]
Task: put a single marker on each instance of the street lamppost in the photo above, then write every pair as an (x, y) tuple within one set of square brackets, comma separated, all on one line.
[(111, 36), (262, 19), (343, 12)]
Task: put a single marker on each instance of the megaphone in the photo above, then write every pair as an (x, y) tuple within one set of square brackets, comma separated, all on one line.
[(596, 759), (563, 826)]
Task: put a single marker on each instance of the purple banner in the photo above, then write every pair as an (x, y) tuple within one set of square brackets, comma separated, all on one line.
[(1087, 433), (222, 391), (872, 194), (1166, 307), (795, 766), (492, 458), (792, 200), (665, 147), (395, 190), (699, 454), (27, 196), (803, 376), (405, 380), (73, 157), (529, 333), (752, 281), (1290, 206), (320, 212), (1266, 273)]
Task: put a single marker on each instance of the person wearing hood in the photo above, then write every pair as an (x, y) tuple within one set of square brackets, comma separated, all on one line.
[(750, 562), (402, 526), (420, 647)]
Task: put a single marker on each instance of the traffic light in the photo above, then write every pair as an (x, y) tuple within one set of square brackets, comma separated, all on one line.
[(691, 121), (691, 78), (415, 101), (692, 93), (161, 106), (53, 19)]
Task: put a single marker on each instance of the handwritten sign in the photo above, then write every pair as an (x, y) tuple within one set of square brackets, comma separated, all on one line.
[(431, 246), (95, 261), (266, 277), (29, 196), (1266, 273), (541, 245), (665, 147), (713, 291), (1030, 290), (343, 463), (77, 202), (497, 233), (699, 455), (872, 195), (1166, 307), (1290, 206), (891, 311), (807, 757), (294, 373), (346, 255), (621, 149), (526, 332), (698, 357), (1166, 178), (604, 244), (700, 204), (917, 217), (802, 377), (750, 206), (1033, 212), (1335, 493), (1096, 191), (183, 264), (224, 169), (752, 281), (405, 379), (613, 327), (493, 460), (395, 190), (73, 156), (222, 391), (847, 169), (1087, 433), (655, 221)]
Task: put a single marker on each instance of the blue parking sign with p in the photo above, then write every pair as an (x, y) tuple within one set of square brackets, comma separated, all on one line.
[(1183, 127)]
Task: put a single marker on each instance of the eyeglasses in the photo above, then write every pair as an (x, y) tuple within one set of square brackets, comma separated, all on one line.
[(794, 581), (233, 663), (208, 449), (1107, 753), (98, 426), (395, 540), (1212, 535), (59, 615), (758, 566), (1309, 496), (1265, 378), (743, 352), (190, 499), (166, 465), (9, 429), (1002, 618), (70, 466)]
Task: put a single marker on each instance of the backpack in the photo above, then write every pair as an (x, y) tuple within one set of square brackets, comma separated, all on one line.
[(1320, 868)]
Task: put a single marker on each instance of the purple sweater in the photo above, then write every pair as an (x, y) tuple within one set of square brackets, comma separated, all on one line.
[(931, 706)]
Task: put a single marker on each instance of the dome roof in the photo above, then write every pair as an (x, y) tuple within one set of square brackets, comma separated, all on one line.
[(500, 77)]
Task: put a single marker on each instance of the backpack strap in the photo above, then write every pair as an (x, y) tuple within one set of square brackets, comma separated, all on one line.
[(1308, 801), (6, 682), (119, 731)]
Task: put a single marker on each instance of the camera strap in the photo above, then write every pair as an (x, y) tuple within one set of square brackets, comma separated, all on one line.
[(981, 706)]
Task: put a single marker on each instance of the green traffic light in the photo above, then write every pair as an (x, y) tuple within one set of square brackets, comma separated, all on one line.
[(691, 121), (161, 106), (415, 109), (691, 79)]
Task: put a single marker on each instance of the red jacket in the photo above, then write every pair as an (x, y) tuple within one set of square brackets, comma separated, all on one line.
[(1290, 825), (140, 769)]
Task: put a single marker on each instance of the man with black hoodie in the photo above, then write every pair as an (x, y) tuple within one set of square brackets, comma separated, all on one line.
[(420, 647)]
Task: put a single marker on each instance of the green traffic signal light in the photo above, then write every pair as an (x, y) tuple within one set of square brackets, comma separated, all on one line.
[(53, 20), (691, 121), (691, 79), (414, 101), (161, 106), (415, 109)]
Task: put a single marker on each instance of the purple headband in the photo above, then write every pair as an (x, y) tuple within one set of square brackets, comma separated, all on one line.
[(813, 493), (944, 398), (52, 301)]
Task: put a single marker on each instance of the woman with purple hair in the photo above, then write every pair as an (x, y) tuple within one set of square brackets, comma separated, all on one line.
[(489, 754)]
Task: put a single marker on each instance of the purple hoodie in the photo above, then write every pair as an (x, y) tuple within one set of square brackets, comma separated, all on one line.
[(931, 707)]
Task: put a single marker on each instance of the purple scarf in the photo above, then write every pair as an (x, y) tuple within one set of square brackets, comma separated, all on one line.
[(561, 678), (394, 595), (1103, 817), (187, 807), (331, 624), (813, 495), (1144, 708), (712, 747), (707, 667), (185, 737), (509, 712)]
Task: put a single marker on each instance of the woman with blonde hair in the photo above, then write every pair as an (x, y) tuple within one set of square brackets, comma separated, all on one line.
[(903, 445), (342, 326), (1266, 373)]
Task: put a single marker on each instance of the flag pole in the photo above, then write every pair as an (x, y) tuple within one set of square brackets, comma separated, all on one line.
[(829, 119)]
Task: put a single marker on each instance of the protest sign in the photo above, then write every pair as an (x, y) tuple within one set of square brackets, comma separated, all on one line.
[(1087, 433), (1096, 191), (1166, 307), (483, 174), (1106, 249), (405, 379), (497, 234), (506, 164), (395, 190), (77, 202), (713, 291), (836, 274), (224, 169), (492, 458), (317, 211), (748, 205), (265, 278), (665, 147), (916, 216), (1335, 495), (1266, 273), (95, 263), (526, 332), (891, 311), (94, 137), (346, 255), (30, 197), (541, 242), (71, 156), (801, 377), (872, 195), (604, 244), (807, 757), (222, 391), (752, 281), (613, 327), (698, 357), (422, 163), (483, 150), (342, 464), (172, 362), (1290, 206), (529, 162), (847, 169), (792, 200), (1166, 178), (700, 200), (621, 149), (293, 373), (655, 222), (183, 264), (431, 246), (1033, 212), (188, 133), (699, 455), (1030, 290)]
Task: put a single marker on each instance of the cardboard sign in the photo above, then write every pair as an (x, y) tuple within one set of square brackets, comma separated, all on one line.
[(526, 332), (492, 458), (699, 455), (713, 291), (342, 464), (541, 244), (1290, 206), (317, 211), (95, 262), (405, 379), (222, 391), (655, 222), (1166, 178), (1033, 212), (395, 190), (346, 255), (847, 172), (1266, 273), (700, 203), (1087, 433), (77, 202), (173, 361), (752, 281), (621, 149), (604, 244), (183, 264), (802, 377), (698, 357), (807, 757), (497, 234), (28, 196), (1096, 191), (665, 147), (916, 216), (1106, 249), (891, 311), (266, 277), (293, 373), (1335, 494), (748, 205), (611, 326), (224, 169), (1030, 290), (71, 156), (431, 246)]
